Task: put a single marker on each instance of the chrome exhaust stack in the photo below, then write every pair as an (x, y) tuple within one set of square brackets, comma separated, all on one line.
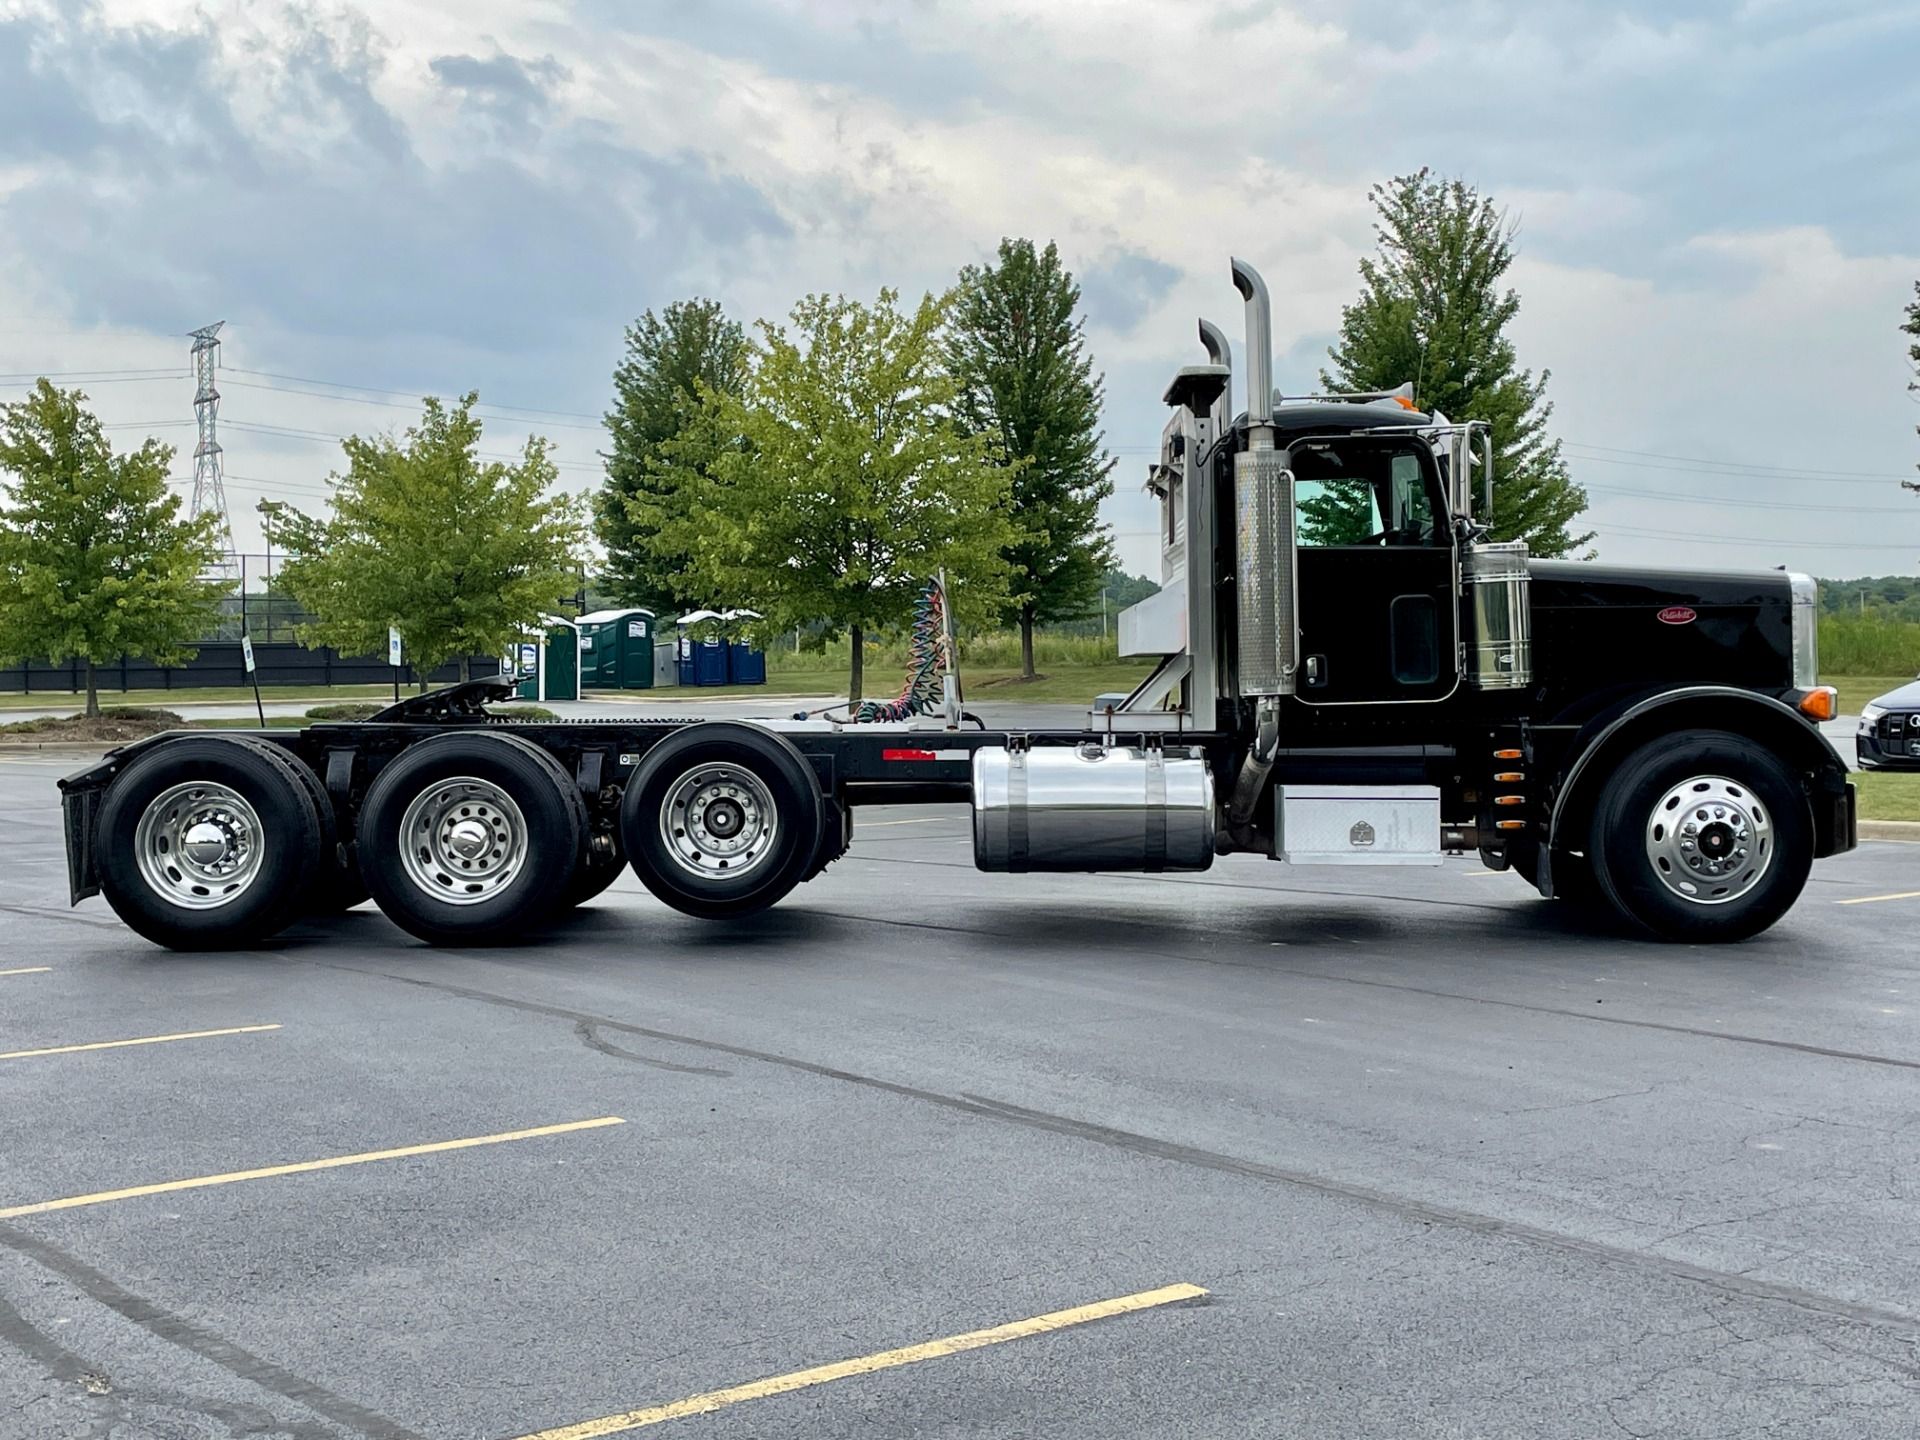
[(1265, 545)]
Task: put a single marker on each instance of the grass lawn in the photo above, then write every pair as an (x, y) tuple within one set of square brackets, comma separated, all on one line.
[(1068, 684), (1889, 795), (173, 699), (1857, 690)]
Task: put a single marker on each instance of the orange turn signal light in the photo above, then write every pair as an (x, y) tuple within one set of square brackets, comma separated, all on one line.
[(1506, 754), (1820, 703), (1509, 824), (1509, 777), (1509, 799)]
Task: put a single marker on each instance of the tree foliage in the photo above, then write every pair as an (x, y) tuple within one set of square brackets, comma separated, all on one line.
[(1024, 378), (837, 481), (669, 358), (462, 555), (96, 561), (1432, 310)]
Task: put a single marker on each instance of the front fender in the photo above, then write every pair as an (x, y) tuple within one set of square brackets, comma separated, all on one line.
[(1608, 738)]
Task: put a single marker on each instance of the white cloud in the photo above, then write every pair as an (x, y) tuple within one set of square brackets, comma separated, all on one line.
[(429, 195)]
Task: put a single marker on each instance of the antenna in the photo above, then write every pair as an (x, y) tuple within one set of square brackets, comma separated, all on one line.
[(209, 491)]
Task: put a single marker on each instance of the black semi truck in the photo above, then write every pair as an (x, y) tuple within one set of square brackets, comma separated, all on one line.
[(1350, 673)]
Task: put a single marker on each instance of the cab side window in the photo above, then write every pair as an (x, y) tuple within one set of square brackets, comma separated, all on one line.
[(1362, 494)]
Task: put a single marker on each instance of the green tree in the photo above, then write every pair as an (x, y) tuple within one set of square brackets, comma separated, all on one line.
[(669, 357), (837, 481), (1912, 327), (1020, 360), (96, 561), (1431, 310), (463, 556)]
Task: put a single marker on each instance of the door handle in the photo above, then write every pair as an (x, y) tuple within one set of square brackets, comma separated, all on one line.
[(1316, 671)]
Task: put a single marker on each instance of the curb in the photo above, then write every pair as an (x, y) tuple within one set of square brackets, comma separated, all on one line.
[(1890, 830)]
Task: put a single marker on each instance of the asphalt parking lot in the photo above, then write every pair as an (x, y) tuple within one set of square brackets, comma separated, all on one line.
[(1444, 1159)]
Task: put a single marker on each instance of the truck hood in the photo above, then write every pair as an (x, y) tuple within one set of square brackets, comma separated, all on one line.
[(1583, 583)]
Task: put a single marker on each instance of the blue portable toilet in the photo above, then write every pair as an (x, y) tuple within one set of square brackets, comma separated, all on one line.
[(745, 665), (683, 660), (710, 661)]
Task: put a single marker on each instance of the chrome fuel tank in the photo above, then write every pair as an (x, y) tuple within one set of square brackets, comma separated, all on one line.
[(1092, 807)]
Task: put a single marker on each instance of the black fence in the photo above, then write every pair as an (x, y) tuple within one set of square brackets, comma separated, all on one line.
[(219, 663)]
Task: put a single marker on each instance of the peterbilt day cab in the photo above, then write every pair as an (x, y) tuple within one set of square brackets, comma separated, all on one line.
[(1349, 673)]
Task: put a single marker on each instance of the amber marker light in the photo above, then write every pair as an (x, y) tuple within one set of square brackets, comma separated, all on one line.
[(1820, 703)]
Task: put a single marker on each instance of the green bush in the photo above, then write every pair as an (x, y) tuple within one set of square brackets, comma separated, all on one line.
[(1868, 645), (346, 710), (522, 712)]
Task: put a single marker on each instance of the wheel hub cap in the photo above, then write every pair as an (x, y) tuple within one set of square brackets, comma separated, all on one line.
[(199, 845), (1709, 840), (719, 822), (463, 840)]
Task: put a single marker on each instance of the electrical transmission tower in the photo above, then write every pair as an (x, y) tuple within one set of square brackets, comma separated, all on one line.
[(209, 491)]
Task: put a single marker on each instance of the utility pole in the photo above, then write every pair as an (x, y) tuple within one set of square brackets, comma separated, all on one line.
[(209, 491)]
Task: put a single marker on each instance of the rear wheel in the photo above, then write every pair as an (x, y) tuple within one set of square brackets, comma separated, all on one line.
[(208, 843), (1702, 835), (721, 819), (471, 838)]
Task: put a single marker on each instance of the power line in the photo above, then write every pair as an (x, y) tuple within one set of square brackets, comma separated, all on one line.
[(1747, 542), (1912, 511), (404, 394)]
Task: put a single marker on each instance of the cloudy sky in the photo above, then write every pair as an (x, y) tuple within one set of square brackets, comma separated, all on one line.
[(1719, 211)]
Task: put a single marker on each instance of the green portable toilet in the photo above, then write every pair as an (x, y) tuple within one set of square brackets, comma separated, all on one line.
[(549, 662), (617, 649)]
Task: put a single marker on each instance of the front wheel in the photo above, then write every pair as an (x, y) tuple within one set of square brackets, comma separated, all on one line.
[(722, 819), (1703, 836)]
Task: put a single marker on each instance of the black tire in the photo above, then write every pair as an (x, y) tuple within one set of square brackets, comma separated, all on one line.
[(267, 860), (537, 838), (337, 886), (706, 871), (1754, 837)]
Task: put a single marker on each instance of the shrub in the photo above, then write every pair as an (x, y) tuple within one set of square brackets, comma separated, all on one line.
[(1868, 645)]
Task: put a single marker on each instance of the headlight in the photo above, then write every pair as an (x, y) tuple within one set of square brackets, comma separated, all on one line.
[(1870, 713), (1806, 640)]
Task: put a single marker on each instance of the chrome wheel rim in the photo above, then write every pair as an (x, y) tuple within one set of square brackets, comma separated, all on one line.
[(199, 845), (719, 822), (1710, 840), (463, 840)]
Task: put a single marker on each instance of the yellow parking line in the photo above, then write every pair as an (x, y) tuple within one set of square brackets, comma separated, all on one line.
[(74, 1202), (1871, 899), (143, 1040), (867, 1364), (28, 970)]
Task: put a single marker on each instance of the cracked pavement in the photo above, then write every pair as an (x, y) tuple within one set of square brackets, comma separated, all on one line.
[(1451, 1161)]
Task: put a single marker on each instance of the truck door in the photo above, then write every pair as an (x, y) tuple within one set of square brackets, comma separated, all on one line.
[(1378, 618)]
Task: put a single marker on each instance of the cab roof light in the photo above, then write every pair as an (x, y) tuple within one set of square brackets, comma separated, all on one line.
[(1820, 703)]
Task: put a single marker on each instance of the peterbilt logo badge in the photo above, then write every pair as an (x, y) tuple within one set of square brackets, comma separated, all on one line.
[(1361, 834), (1676, 615)]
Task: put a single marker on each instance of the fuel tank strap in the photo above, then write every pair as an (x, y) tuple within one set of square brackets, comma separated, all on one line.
[(1155, 855), (1017, 811)]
